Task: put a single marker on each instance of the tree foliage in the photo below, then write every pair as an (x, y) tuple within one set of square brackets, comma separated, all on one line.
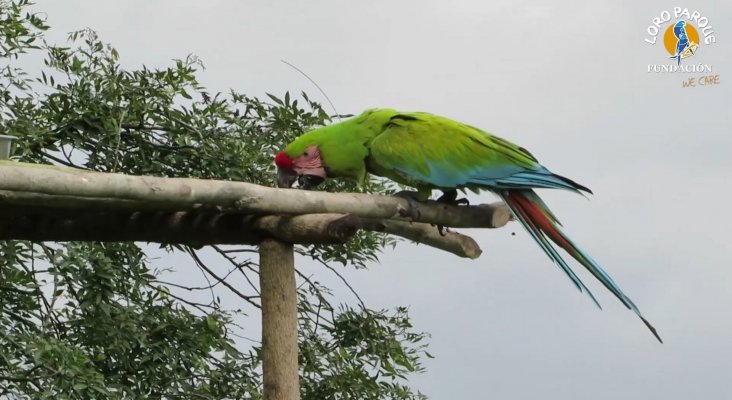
[(95, 320)]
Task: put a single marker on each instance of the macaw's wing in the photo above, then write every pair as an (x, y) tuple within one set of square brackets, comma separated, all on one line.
[(436, 151)]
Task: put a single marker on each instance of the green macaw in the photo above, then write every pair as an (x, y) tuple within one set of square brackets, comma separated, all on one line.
[(430, 152)]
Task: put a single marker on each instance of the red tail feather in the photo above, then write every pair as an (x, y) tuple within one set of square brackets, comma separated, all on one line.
[(537, 216)]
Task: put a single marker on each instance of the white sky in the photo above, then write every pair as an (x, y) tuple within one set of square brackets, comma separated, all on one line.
[(566, 80)]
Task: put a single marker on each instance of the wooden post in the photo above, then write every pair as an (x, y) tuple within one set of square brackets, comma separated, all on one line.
[(279, 320)]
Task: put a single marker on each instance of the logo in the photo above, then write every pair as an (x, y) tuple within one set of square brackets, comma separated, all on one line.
[(681, 33)]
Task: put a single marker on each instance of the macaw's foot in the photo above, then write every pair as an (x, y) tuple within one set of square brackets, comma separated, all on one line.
[(450, 197), (413, 199), (442, 230)]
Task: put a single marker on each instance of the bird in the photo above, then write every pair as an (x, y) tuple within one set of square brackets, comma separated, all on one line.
[(430, 152), (682, 41)]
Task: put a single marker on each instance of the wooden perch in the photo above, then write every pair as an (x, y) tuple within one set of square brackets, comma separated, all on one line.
[(453, 242), (41, 202), (200, 229), (57, 187), (172, 227)]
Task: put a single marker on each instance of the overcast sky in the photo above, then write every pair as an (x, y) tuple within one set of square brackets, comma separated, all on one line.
[(568, 81)]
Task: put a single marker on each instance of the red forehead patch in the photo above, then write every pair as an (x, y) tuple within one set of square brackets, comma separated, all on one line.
[(283, 160)]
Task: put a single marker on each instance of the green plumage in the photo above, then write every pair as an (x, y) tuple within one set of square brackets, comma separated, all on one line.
[(408, 147)]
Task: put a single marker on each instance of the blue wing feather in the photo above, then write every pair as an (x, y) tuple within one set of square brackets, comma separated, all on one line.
[(441, 175)]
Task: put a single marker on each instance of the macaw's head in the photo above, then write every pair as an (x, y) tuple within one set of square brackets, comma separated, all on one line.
[(304, 167), (334, 151)]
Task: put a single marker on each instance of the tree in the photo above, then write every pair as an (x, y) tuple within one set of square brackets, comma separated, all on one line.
[(93, 320)]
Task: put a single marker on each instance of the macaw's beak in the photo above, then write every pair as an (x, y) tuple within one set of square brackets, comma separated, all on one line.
[(308, 182), (286, 177)]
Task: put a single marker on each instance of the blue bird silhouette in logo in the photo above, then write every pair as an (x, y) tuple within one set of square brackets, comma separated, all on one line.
[(682, 42)]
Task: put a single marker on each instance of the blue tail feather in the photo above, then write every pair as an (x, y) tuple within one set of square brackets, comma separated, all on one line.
[(541, 224)]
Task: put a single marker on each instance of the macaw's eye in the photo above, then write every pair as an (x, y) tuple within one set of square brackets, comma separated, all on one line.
[(305, 154), (308, 182)]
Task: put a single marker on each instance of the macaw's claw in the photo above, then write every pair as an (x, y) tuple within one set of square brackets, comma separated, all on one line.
[(412, 210), (450, 197)]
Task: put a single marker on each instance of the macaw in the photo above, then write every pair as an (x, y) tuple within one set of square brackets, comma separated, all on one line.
[(429, 152), (682, 41)]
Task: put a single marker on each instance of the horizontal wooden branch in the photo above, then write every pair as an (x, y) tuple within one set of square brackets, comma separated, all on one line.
[(452, 242), (179, 227), (199, 229), (30, 185)]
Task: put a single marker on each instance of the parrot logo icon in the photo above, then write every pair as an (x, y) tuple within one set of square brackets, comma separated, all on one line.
[(681, 40)]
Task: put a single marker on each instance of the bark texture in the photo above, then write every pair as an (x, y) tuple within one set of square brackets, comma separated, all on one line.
[(279, 321)]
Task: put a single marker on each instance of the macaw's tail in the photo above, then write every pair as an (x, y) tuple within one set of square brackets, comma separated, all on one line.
[(541, 224)]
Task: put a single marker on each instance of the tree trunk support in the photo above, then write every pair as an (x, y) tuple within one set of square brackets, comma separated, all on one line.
[(279, 320)]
